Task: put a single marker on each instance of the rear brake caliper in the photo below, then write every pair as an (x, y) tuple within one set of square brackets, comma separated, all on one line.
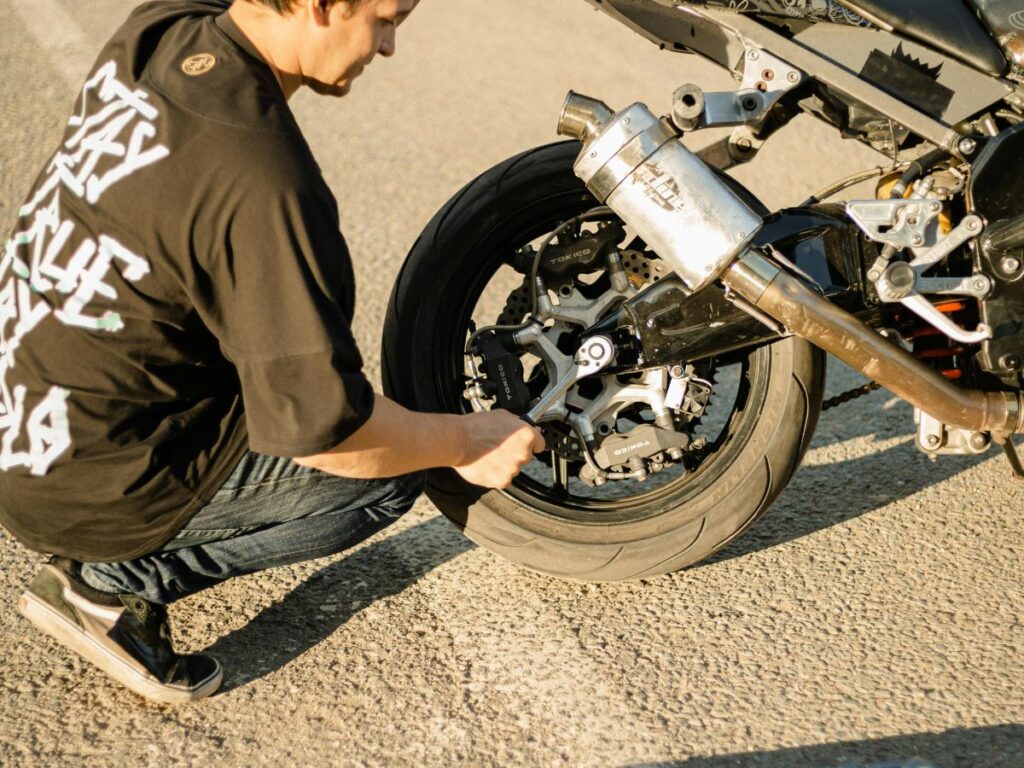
[(503, 373)]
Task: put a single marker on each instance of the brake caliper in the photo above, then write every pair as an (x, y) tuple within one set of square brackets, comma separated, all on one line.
[(504, 373)]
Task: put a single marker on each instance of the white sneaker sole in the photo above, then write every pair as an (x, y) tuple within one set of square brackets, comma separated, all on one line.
[(57, 626)]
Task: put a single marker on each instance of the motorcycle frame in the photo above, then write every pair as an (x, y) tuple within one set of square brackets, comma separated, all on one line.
[(723, 36), (668, 323)]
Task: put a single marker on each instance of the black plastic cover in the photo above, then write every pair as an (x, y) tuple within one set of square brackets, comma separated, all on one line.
[(948, 25), (1005, 19)]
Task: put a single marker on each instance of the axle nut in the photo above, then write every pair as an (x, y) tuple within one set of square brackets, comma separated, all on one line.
[(1010, 265), (1009, 362)]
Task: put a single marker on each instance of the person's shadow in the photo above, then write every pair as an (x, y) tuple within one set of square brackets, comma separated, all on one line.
[(315, 609)]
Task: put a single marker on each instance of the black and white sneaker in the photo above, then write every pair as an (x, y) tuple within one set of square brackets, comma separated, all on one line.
[(124, 635)]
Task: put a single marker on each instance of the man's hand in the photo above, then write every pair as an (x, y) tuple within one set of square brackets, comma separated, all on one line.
[(486, 448), (498, 445)]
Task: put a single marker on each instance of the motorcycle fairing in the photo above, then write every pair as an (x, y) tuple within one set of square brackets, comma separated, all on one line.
[(807, 10), (1005, 19), (948, 25), (662, 23)]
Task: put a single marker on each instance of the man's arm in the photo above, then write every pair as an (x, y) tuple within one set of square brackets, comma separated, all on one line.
[(487, 449)]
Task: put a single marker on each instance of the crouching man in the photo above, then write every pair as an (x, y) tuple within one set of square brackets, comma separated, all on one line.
[(185, 398)]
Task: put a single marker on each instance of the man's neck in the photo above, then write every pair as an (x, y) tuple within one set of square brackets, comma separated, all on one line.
[(270, 34)]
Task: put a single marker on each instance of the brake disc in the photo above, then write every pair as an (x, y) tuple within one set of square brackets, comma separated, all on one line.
[(517, 305), (642, 269)]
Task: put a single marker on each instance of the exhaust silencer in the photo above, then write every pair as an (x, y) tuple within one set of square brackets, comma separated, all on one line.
[(635, 163), (807, 314)]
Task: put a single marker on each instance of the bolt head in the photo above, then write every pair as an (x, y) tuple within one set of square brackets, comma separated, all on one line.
[(916, 240), (754, 55), (978, 440), (972, 225), (793, 77), (967, 146), (1009, 362), (935, 207), (1010, 265), (932, 441)]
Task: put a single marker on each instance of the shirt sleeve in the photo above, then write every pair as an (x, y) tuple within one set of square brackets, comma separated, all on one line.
[(279, 295)]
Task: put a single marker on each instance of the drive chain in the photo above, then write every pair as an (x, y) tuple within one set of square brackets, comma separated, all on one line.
[(852, 394)]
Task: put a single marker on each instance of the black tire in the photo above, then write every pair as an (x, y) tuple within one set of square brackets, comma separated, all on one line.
[(521, 199)]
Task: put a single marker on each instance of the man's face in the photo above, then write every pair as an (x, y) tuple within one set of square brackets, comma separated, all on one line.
[(344, 40)]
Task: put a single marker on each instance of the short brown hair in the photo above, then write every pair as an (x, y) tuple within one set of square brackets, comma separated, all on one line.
[(285, 6)]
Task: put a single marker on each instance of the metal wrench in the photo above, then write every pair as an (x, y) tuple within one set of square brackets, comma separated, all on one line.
[(593, 355)]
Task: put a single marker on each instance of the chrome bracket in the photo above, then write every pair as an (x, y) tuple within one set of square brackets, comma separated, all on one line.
[(912, 224), (740, 146), (899, 223), (970, 227), (977, 286), (935, 438), (765, 79)]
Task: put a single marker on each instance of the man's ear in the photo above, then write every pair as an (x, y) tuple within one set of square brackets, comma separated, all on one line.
[(319, 11)]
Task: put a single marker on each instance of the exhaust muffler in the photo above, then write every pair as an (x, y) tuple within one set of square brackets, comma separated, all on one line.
[(635, 164)]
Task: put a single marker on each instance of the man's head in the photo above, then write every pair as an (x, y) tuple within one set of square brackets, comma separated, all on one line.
[(324, 44)]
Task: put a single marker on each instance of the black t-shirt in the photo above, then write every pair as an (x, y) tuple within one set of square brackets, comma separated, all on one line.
[(176, 290)]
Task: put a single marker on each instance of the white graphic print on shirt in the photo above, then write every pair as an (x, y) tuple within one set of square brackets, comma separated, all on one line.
[(115, 137)]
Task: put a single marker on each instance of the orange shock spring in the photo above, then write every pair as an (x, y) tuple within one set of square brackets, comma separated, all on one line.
[(933, 353)]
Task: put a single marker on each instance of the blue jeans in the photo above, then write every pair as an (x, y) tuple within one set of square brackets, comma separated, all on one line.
[(269, 512)]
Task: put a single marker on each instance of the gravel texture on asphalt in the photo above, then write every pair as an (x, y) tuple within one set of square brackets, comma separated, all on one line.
[(873, 615)]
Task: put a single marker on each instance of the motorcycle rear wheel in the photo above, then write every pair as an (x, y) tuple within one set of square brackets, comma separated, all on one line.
[(652, 533)]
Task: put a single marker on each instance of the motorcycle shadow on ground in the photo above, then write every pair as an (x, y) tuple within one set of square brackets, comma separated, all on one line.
[(823, 495), (997, 746), (326, 600)]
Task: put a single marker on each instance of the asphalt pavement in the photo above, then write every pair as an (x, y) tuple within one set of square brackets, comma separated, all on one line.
[(874, 614)]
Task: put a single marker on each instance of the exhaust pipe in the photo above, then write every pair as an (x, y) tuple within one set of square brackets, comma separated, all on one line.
[(635, 164), (582, 116), (803, 312)]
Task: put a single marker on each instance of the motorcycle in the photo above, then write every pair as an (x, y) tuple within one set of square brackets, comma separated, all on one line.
[(668, 333)]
